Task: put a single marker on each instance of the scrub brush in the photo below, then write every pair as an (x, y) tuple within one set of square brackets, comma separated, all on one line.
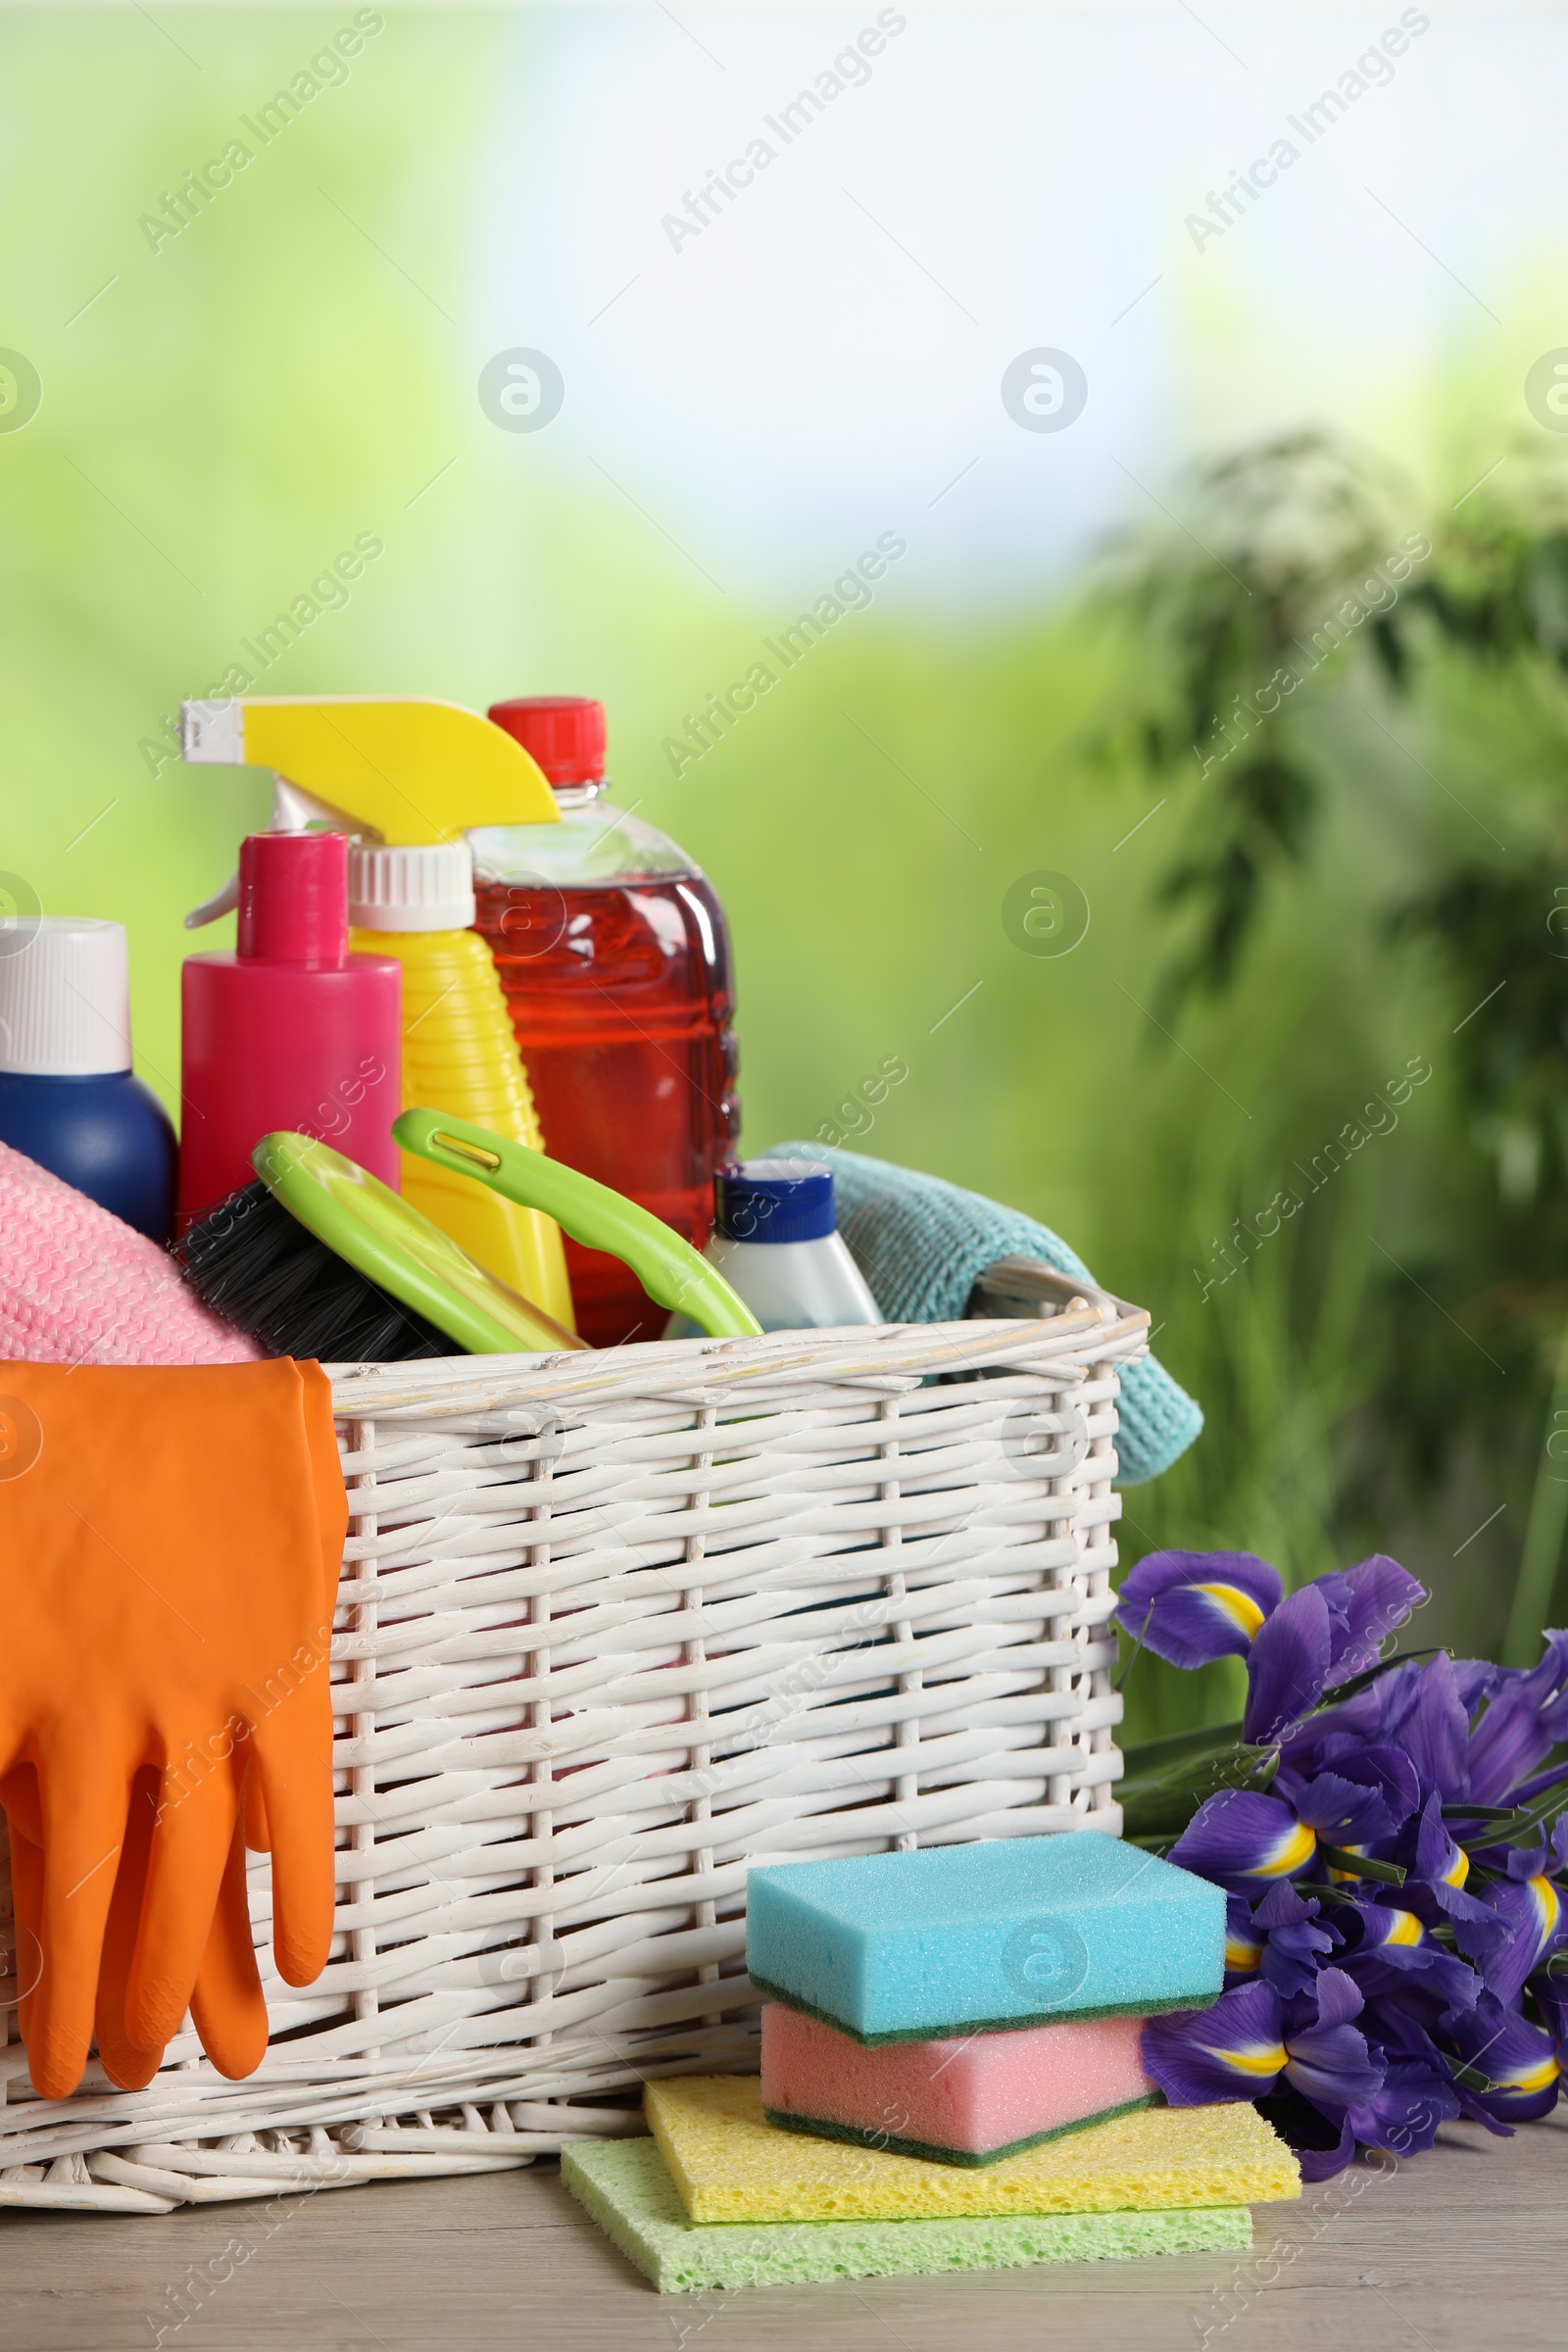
[(320, 1258)]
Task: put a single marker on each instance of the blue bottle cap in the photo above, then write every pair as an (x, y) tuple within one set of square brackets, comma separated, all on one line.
[(775, 1201)]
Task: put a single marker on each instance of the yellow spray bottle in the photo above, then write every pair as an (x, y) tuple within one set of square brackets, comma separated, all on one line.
[(406, 776)]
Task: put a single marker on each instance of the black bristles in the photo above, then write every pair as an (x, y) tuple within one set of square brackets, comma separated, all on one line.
[(253, 1263)]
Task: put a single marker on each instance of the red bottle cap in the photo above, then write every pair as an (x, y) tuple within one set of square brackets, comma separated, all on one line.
[(563, 732), (294, 897)]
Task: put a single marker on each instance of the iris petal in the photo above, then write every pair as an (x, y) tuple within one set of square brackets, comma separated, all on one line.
[(1521, 2066), (1531, 1911), (1375, 1596), (1231, 2051), (1241, 1837), (1191, 1608), (1288, 1669), (1329, 2062)]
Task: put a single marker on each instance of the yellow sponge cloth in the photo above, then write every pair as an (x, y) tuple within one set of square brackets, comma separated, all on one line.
[(729, 2165)]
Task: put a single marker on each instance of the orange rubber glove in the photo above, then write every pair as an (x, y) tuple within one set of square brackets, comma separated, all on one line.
[(228, 2004), (164, 1540)]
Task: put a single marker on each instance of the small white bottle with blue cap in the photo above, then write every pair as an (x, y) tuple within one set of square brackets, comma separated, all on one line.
[(776, 1242)]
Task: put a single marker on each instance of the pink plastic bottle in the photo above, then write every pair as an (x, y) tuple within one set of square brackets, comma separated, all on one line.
[(290, 1031)]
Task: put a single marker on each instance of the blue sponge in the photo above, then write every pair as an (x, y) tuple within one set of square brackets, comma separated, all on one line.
[(974, 1938)]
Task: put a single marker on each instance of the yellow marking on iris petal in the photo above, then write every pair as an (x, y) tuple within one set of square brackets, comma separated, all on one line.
[(1232, 1602), (1264, 2058), (1548, 1908), (1407, 1928), (1533, 2077), (1459, 1869), (1296, 1846), (1239, 1957), (1348, 1874)]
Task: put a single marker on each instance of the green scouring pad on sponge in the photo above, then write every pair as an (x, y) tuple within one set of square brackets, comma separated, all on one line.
[(729, 2164), (625, 2187)]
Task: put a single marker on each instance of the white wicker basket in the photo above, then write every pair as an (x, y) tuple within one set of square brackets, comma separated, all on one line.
[(610, 1630)]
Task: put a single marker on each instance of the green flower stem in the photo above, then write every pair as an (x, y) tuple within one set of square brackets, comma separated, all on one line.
[(1543, 1532), (1362, 1866)]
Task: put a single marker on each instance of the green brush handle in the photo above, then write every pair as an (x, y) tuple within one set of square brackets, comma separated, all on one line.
[(669, 1269)]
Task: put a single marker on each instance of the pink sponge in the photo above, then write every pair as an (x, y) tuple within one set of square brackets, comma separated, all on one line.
[(967, 2101), (78, 1286)]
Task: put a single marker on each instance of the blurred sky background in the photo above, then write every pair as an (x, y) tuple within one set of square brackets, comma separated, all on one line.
[(744, 413)]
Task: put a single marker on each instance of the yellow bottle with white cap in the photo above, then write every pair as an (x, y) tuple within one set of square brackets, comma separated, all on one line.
[(405, 777)]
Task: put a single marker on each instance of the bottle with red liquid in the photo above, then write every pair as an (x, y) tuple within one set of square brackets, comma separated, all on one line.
[(614, 954)]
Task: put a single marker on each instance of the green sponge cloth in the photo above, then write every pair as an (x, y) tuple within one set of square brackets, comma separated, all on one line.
[(625, 2187)]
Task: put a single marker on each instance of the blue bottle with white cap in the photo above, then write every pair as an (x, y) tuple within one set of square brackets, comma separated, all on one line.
[(776, 1242), (68, 1098)]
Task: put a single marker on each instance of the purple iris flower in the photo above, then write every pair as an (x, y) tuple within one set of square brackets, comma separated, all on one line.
[(1288, 1671), (1404, 2114), (1243, 1840), (1551, 1999), (1378, 1765), (1440, 1863), (1523, 1722), (1359, 2010), (1418, 1709), (1244, 1943), (1418, 2091), (1329, 2062), (1192, 1607), (1391, 1950), (1241, 2048), (1519, 2061), (1234, 2050), (1437, 1888), (1329, 1631), (1296, 1940), (1366, 1603), (1345, 1810), (1537, 1918)]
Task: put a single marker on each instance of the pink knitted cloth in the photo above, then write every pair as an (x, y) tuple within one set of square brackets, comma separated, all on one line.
[(78, 1286)]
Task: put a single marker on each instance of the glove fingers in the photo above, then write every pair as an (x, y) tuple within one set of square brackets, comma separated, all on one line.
[(258, 1837), (83, 1807), (26, 1905), (125, 2062), (185, 1867), (18, 1793), (228, 2005), (296, 1774)]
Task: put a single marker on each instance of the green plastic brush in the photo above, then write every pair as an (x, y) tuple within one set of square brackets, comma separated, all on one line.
[(318, 1258), (669, 1269)]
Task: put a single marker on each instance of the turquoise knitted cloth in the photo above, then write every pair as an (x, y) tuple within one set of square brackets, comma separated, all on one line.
[(921, 1244)]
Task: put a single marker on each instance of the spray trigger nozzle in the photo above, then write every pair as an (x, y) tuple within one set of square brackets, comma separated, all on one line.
[(222, 902)]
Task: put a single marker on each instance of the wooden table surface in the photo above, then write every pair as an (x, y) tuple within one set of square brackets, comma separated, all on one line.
[(1464, 2247)]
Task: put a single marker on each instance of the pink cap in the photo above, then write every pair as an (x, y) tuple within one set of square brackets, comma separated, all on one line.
[(294, 897)]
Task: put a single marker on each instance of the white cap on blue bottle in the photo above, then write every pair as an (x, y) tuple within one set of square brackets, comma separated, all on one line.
[(65, 996)]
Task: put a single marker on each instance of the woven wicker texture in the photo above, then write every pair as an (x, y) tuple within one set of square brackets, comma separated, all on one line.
[(611, 1628)]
